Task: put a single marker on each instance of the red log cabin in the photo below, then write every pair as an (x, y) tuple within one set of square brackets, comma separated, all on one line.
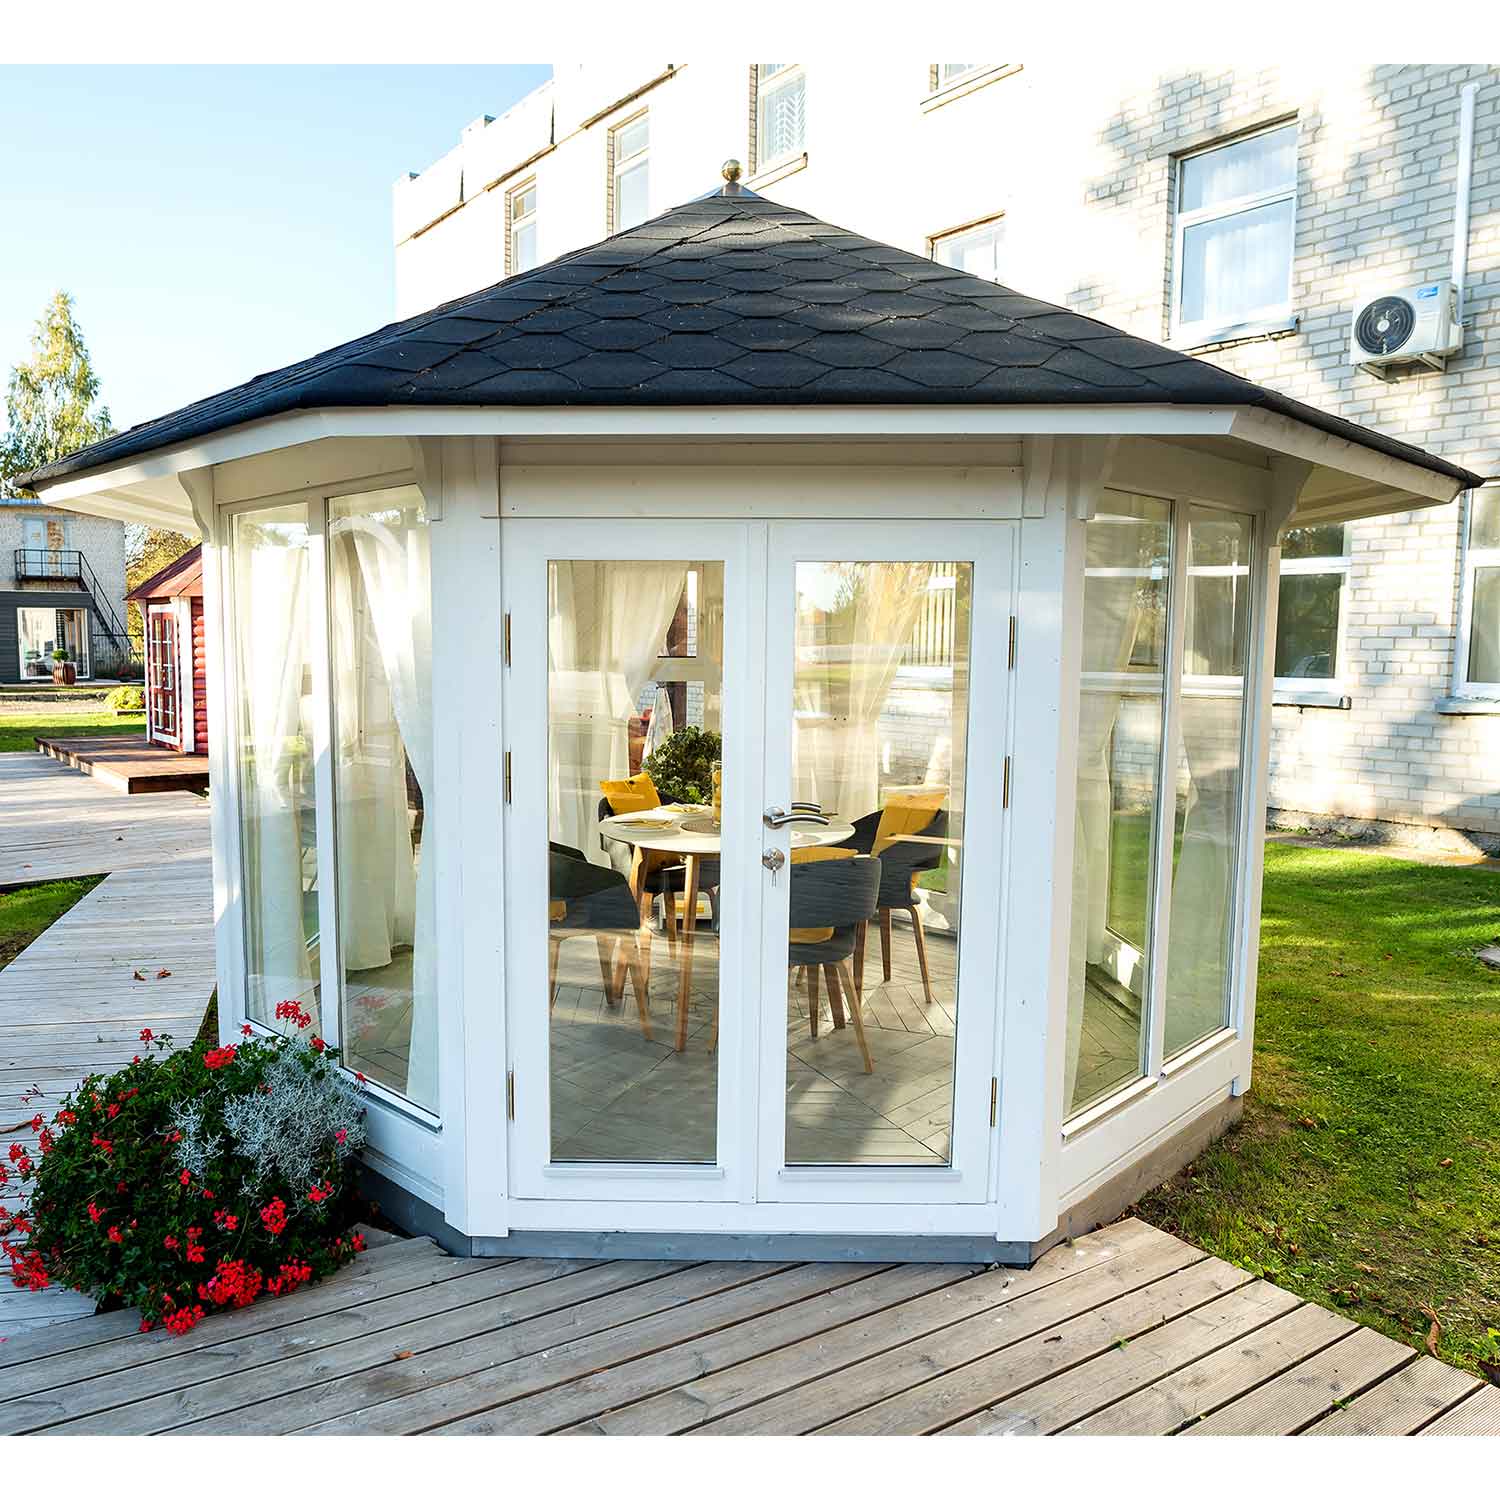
[(171, 606)]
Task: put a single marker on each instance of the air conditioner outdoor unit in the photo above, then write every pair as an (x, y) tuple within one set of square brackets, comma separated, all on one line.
[(1415, 325)]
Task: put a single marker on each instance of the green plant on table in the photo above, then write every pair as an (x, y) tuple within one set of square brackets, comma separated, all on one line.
[(682, 766), (194, 1179)]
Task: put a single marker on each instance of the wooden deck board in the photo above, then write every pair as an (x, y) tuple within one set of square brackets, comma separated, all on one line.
[(1126, 1330), (126, 763)]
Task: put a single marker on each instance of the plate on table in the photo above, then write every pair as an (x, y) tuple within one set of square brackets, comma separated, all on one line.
[(700, 825)]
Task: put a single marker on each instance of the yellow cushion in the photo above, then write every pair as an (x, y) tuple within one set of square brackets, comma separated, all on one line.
[(556, 910), (812, 855), (906, 812), (632, 794)]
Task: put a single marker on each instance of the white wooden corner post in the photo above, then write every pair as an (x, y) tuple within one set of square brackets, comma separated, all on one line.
[(197, 486), (459, 481), (1289, 476), (1035, 1000)]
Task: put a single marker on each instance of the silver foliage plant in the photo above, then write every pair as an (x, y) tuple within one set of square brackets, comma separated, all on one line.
[(281, 1129)]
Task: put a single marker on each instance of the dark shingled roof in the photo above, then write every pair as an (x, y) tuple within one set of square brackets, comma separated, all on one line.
[(735, 300)]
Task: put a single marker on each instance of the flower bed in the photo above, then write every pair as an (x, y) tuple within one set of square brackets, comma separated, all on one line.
[(193, 1180)]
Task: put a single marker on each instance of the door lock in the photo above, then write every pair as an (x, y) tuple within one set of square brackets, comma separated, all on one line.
[(773, 860)]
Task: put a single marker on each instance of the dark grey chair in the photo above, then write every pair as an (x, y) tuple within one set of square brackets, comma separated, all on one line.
[(841, 894), (667, 881), (597, 902), (900, 864)]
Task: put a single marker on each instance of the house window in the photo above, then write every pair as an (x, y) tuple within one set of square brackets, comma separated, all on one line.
[(975, 250), (1236, 207), (520, 249), (630, 172), (945, 73), (1478, 655), (780, 113), (1310, 615)]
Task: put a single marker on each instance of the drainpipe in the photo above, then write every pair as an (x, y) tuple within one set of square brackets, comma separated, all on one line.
[(1461, 199)]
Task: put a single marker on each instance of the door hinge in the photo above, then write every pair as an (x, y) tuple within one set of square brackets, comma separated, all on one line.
[(507, 636), (507, 778), (1004, 788), (994, 1100), (510, 1096), (1010, 654)]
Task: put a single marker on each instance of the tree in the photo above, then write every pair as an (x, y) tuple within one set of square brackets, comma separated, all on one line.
[(52, 400)]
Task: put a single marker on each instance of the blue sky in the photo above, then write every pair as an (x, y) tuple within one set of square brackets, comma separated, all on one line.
[(215, 222)]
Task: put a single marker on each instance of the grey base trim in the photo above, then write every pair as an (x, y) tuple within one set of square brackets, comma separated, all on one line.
[(1462, 705), (623, 1245)]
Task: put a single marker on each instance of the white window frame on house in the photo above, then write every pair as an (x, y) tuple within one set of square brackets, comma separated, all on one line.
[(1319, 692), (624, 166), (1271, 318), (515, 222), (1471, 560), (994, 226), (765, 86)]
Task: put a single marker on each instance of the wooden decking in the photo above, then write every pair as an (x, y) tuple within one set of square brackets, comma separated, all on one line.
[(70, 1004), (128, 764), (1126, 1331)]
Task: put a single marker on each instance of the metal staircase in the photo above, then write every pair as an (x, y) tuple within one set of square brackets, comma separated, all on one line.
[(110, 651)]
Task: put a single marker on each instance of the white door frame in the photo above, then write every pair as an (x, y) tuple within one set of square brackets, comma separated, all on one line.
[(990, 548), (528, 546), (165, 611)]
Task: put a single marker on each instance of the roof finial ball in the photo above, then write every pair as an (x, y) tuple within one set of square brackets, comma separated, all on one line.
[(731, 170)]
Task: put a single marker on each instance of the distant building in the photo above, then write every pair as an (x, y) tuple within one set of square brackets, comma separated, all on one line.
[(62, 587), (1242, 214)]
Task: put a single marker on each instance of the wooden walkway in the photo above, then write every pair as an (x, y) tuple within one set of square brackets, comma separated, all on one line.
[(70, 1004), (1126, 1331), (128, 764)]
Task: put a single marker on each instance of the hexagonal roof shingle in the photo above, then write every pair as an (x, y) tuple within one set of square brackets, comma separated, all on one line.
[(735, 300)]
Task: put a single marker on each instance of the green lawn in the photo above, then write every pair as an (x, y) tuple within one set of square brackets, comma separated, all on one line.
[(1365, 1174), (28, 910), (19, 731)]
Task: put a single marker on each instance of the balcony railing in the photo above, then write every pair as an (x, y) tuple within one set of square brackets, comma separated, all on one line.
[(110, 651), (38, 563)]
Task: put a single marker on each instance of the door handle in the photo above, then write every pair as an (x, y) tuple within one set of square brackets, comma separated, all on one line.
[(777, 817)]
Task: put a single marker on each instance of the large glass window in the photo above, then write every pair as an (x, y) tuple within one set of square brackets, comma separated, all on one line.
[(780, 113), (380, 644), (1479, 656), (1125, 602), (1207, 780), (274, 718), (1236, 205), (521, 252), (1314, 569)]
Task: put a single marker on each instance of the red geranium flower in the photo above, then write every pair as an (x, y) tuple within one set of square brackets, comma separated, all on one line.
[(146, 1033), (218, 1057)]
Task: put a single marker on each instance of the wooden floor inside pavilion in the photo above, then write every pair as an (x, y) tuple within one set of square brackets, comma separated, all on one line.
[(1126, 1331)]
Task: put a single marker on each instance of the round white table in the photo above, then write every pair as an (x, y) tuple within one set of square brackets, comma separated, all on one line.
[(691, 836)]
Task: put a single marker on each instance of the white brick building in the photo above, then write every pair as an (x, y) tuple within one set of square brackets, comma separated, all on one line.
[(1240, 213)]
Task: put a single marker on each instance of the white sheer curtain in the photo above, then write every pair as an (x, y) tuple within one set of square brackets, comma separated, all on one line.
[(276, 790), (607, 626), (380, 581), (854, 623)]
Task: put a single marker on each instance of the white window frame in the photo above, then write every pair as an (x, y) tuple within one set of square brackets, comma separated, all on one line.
[(995, 223), (1471, 559), (514, 221), (764, 87), (1315, 691), (1268, 319), (620, 165)]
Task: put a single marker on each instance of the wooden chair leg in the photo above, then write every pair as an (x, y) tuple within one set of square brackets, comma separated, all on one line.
[(921, 937), (669, 913), (607, 969), (814, 1005), (856, 1011), (859, 957), (638, 978), (553, 944), (885, 943), (614, 989), (835, 1000)]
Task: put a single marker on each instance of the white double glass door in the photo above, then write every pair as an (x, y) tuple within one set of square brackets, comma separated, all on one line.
[(762, 765)]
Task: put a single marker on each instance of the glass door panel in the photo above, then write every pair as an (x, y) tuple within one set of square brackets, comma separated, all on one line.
[(885, 1039)]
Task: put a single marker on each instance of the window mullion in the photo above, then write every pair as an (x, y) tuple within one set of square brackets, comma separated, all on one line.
[(330, 965), (1166, 802)]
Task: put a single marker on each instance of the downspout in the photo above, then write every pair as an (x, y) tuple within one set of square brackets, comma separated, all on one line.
[(1461, 198)]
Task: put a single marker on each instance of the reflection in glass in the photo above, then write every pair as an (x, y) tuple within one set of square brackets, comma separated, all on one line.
[(380, 642), (1307, 625), (1127, 555), (1484, 628), (1215, 649), (635, 667), (273, 720), (880, 725)]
